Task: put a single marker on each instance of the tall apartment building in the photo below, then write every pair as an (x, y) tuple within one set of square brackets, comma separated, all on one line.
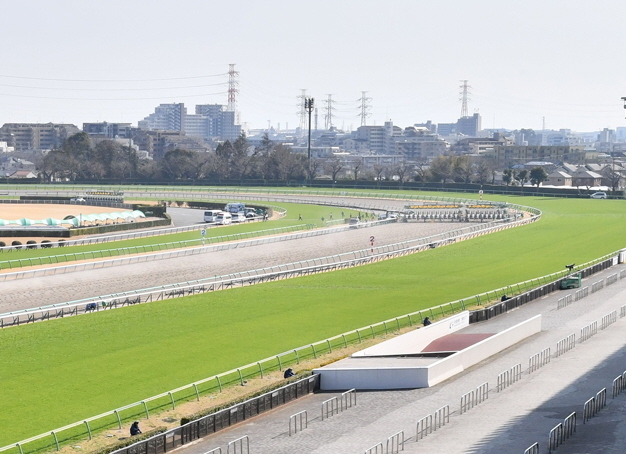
[(209, 122), (36, 136), (469, 126), (166, 117)]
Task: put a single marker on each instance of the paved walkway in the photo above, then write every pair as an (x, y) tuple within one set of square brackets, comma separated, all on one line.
[(508, 422)]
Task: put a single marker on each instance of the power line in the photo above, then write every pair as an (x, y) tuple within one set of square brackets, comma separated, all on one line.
[(113, 89), (112, 80), (113, 99)]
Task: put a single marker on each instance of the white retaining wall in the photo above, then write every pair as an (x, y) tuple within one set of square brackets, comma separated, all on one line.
[(415, 341), (383, 373)]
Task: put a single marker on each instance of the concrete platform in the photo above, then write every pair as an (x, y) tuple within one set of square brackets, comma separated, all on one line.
[(424, 357)]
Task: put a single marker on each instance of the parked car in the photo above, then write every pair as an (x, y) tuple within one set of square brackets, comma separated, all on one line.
[(598, 195), (211, 215), (238, 217), (224, 219)]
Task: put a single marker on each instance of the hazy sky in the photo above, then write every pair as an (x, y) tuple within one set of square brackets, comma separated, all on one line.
[(81, 61)]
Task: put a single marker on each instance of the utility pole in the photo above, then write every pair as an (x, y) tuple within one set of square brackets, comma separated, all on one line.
[(316, 118), (308, 105)]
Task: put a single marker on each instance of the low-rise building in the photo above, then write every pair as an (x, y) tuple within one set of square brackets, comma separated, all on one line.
[(558, 178)]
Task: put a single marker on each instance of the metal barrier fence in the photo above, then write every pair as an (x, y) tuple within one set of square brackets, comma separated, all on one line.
[(239, 443), (619, 384), (347, 399), (608, 320), (564, 301), (562, 432), (214, 451), (594, 405), (330, 407), (423, 427), (395, 443), (588, 331), (555, 438), (430, 423), (509, 377), (565, 345), (298, 423), (442, 417), (471, 399), (622, 274), (612, 279), (534, 449), (622, 311), (581, 293), (374, 449), (597, 286), (538, 360)]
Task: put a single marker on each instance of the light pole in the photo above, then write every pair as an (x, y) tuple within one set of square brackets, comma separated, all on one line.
[(308, 105)]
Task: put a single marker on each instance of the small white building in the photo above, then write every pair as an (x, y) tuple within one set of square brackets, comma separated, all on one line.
[(5, 148)]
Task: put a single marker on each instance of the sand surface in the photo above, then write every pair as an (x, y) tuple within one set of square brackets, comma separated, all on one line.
[(29, 293)]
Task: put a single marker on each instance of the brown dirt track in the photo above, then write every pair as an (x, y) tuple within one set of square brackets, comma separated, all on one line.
[(39, 211)]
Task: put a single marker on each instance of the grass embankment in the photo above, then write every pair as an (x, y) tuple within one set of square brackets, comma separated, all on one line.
[(63, 371)]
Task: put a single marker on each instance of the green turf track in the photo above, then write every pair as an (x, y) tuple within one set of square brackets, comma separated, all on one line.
[(62, 371)]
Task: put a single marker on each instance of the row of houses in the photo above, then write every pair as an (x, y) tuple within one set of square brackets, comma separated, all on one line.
[(590, 175)]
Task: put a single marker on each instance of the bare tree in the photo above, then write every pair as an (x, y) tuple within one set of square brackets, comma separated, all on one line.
[(312, 167), (334, 166), (404, 171), (357, 165), (421, 171)]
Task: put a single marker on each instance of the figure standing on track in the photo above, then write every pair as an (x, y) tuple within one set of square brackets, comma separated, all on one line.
[(299, 217), (427, 321)]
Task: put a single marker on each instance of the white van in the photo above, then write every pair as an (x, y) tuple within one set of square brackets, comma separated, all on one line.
[(224, 218), (211, 215), (234, 207)]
